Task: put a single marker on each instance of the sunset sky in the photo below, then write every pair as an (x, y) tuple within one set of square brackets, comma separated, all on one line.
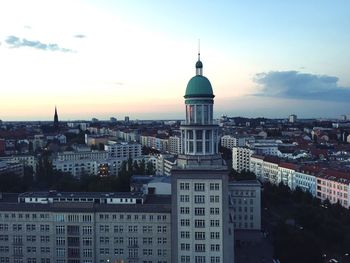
[(132, 57)]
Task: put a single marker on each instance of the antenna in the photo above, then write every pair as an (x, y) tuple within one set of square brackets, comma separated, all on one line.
[(199, 49)]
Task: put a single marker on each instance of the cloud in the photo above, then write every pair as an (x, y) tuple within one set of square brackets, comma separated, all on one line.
[(17, 42), (80, 36), (297, 85)]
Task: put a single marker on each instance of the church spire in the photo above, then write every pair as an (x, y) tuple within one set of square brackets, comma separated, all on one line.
[(55, 120)]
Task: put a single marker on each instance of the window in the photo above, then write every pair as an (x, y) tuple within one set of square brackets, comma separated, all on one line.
[(199, 235), (199, 247), (118, 240), (60, 241), (87, 230), (44, 228), (214, 235), (199, 187), (4, 227), (199, 211), (104, 240), (199, 199), (147, 241), (44, 239), (185, 222), (147, 229), (30, 227), (184, 198), (185, 259), (184, 210), (214, 186), (30, 250), (184, 246), (147, 252), (185, 234), (118, 251), (184, 186), (45, 249), (87, 252), (132, 229), (199, 259), (214, 247), (214, 199), (199, 223), (214, 223), (118, 229), (214, 210), (4, 249), (16, 227), (104, 228), (60, 230)]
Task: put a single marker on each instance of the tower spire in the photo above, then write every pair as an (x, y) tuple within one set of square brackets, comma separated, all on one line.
[(199, 64), (55, 120), (199, 49)]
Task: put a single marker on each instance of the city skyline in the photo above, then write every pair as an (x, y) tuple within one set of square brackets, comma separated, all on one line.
[(104, 59)]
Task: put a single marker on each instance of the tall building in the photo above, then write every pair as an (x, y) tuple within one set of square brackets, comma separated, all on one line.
[(201, 231), (55, 120), (292, 118)]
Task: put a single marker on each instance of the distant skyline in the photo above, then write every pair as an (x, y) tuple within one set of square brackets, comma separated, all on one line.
[(114, 58)]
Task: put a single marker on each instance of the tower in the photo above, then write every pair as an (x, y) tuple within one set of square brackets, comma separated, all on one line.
[(55, 120), (201, 230)]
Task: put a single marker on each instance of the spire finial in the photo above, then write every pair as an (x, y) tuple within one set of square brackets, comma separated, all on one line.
[(199, 65), (199, 49)]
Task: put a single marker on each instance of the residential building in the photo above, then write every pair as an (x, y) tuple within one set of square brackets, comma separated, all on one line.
[(174, 145), (245, 204), (123, 149), (230, 141), (241, 158), (11, 167), (85, 227)]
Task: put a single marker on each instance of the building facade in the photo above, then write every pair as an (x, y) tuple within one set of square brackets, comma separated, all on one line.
[(80, 230), (245, 204), (201, 230)]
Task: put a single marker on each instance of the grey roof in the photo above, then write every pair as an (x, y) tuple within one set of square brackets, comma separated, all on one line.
[(161, 179), (55, 194), (153, 204)]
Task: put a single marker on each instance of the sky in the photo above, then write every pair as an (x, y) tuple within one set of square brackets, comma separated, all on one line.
[(107, 59)]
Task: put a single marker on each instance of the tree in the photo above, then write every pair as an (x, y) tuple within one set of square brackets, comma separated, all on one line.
[(136, 167), (150, 168)]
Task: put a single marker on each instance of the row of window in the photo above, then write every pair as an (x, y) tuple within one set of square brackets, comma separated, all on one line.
[(29, 260), (199, 259), (24, 216), (17, 239), (200, 211), (200, 199), (200, 187), (199, 223), (132, 229)]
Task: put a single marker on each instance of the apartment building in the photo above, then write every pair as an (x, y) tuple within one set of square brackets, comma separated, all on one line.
[(85, 227), (245, 204)]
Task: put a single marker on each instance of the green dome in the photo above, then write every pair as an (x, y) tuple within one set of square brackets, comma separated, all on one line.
[(199, 86)]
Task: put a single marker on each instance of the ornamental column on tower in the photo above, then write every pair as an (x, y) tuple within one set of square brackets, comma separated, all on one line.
[(199, 133)]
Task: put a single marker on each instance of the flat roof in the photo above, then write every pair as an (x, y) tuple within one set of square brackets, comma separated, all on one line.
[(55, 194)]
